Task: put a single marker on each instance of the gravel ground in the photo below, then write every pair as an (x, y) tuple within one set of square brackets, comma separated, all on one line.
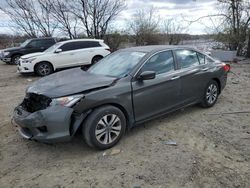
[(211, 151)]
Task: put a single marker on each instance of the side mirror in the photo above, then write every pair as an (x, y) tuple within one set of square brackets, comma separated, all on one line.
[(147, 75), (58, 50)]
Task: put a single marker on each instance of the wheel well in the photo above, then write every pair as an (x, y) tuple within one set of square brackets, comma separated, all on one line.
[(96, 56), (16, 55), (218, 82), (120, 107), (43, 62)]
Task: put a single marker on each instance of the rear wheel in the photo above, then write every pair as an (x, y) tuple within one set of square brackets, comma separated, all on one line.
[(104, 127), (44, 69), (211, 94), (96, 59)]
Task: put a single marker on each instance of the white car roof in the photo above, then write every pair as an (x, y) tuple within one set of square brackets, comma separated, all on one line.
[(79, 40)]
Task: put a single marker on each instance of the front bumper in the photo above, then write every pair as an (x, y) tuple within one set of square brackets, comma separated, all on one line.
[(25, 67), (6, 60), (49, 125)]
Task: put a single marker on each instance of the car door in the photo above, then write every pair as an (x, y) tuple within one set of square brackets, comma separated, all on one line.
[(68, 57), (193, 74), (156, 96), (33, 46), (83, 54)]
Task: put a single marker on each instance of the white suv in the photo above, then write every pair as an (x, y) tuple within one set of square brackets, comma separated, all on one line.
[(65, 54)]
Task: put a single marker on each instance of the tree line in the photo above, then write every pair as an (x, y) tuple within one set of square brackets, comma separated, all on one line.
[(93, 18)]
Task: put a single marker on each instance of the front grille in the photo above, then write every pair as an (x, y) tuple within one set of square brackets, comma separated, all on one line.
[(34, 102)]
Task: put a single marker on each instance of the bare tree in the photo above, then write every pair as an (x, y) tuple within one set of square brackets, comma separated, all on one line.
[(144, 25), (96, 15), (60, 11), (173, 31), (31, 17), (233, 24)]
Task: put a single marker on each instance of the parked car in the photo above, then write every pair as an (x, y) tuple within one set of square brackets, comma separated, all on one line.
[(12, 55), (65, 54), (124, 89)]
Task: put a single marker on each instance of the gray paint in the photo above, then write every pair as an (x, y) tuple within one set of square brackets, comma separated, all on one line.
[(139, 100)]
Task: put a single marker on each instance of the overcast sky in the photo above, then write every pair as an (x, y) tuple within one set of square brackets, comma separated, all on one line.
[(188, 9)]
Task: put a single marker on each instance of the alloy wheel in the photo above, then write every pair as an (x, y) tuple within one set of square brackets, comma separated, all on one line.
[(108, 129), (212, 94), (44, 69)]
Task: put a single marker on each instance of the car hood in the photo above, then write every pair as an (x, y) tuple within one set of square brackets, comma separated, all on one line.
[(12, 49), (32, 55), (69, 82)]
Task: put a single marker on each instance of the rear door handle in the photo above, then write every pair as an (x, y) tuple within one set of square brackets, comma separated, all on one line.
[(205, 69), (175, 77)]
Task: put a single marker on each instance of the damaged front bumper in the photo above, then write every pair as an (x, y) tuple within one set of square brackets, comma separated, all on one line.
[(53, 124)]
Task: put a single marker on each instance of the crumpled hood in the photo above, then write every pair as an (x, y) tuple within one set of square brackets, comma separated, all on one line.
[(69, 82), (32, 55)]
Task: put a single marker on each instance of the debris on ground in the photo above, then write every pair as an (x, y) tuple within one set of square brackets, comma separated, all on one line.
[(111, 152), (29, 80), (171, 143)]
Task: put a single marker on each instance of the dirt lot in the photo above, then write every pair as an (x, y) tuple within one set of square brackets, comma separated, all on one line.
[(212, 150)]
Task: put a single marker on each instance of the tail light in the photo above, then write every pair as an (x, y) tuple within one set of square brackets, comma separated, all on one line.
[(227, 67), (108, 49)]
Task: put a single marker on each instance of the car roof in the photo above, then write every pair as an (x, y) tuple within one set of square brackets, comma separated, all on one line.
[(81, 40), (155, 48)]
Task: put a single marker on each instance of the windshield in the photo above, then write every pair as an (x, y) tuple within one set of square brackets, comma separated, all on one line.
[(52, 48), (118, 64), (25, 43)]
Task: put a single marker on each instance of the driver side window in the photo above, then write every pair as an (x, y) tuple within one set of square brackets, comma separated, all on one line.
[(160, 63)]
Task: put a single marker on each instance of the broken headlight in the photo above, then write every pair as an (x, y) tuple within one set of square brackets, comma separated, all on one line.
[(66, 101)]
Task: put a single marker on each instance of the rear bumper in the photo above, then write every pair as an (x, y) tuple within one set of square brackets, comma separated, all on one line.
[(49, 125)]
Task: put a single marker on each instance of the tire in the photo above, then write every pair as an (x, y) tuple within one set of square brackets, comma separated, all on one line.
[(14, 59), (44, 69), (96, 59), (211, 94), (97, 132)]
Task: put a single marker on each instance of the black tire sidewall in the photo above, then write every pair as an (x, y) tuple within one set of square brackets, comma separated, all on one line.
[(94, 118), (205, 102)]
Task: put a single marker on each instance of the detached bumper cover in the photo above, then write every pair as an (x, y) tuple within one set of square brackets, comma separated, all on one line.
[(49, 125)]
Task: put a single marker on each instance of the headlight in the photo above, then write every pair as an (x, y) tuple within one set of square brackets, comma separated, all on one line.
[(28, 60), (66, 101), (6, 53)]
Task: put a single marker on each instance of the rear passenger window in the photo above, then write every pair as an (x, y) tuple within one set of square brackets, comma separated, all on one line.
[(160, 63), (201, 58), (80, 45), (187, 58)]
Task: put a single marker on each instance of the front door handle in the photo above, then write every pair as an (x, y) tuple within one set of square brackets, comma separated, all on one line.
[(175, 77)]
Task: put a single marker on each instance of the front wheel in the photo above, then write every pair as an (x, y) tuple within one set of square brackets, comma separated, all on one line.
[(104, 127), (15, 59), (211, 94), (43, 69)]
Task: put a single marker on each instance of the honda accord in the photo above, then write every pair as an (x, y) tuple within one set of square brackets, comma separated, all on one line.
[(124, 89)]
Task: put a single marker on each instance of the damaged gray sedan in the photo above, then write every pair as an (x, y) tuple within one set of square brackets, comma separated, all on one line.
[(124, 89)]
